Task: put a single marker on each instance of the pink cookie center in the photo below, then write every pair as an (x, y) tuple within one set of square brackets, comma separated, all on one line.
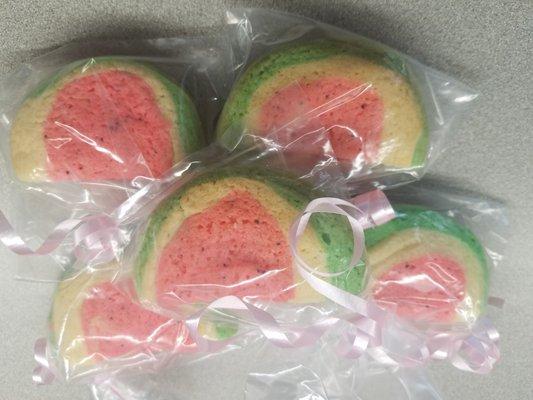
[(113, 325), (351, 112), (429, 288), (234, 247), (107, 126)]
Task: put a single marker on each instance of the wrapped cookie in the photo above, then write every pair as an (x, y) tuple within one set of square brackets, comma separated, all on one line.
[(385, 115), (97, 325), (86, 125), (432, 263)]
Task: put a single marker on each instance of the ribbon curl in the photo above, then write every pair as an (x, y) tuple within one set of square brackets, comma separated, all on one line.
[(476, 352), (43, 373), (353, 344), (96, 238)]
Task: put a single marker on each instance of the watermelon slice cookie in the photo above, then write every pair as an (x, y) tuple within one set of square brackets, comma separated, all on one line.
[(226, 233), (94, 319), (363, 97), (427, 267), (103, 119)]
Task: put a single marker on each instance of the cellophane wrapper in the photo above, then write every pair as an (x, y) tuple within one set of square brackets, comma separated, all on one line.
[(403, 118), (262, 371), (433, 264), (88, 124)]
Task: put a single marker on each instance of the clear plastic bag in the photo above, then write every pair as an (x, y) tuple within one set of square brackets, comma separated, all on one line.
[(261, 371), (113, 111), (85, 126), (387, 135)]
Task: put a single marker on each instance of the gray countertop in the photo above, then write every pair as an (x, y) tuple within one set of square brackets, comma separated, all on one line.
[(484, 43)]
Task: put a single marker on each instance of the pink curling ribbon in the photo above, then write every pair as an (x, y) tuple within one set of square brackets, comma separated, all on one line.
[(42, 374), (475, 352), (352, 345), (95, 238), (268, 325), (364, 211)]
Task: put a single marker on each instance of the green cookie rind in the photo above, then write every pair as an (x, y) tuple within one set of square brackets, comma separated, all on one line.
[(225, 330), (421, 149), (189, 127), (333, 231), (411, 216)]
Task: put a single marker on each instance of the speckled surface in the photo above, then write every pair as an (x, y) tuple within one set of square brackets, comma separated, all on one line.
[(484, 43)]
